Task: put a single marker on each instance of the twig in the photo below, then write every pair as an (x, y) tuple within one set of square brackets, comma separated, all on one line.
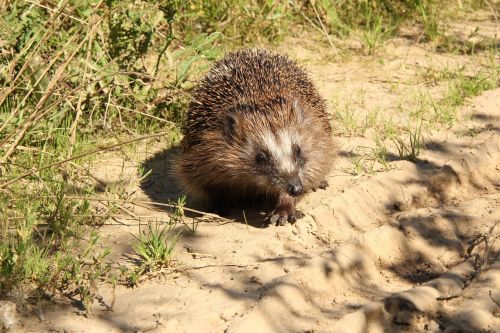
[(72, 131), (325, 32), (121, 122), (489, 242), (139, 112), (35, 117), (168, 40), (138, 202), (34, 85), (48, 32), (493, 11), (55, 11), (127, 211), (81, 168), (93, 151)]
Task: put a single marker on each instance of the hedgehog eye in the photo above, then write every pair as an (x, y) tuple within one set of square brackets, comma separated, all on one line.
[(297, 151), (297, 154), (261, 158)]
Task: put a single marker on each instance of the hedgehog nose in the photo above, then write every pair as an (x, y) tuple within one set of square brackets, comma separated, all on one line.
[(295, 188)]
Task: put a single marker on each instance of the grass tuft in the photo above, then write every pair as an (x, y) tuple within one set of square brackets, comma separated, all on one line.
[(155, 245)]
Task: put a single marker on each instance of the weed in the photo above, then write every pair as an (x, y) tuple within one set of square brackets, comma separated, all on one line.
[(344, 17), (410, 149), (371, 119), (179, 217), (366, 159), (131, 276), (433, 76), (347, 114), (389, 128), (155, 245), (144, 173), (432, 30), (465, 87), (444, 113), (374, 33), (50, 255), (349, 121), (358, 165), (380, 153)]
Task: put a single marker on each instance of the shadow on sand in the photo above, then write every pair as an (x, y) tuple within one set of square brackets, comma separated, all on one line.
[(162, 186)]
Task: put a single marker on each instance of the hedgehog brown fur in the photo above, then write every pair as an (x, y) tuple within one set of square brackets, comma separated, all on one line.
[(256, 127)]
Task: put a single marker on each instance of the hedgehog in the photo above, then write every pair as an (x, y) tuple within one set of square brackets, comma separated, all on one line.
[(256, 128)]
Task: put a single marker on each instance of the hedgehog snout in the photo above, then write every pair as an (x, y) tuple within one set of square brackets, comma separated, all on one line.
[(295, 187)]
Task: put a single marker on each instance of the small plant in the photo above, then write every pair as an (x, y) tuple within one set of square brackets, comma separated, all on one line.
[(444, 113), (349, 112), (358, 165), (45, 245), (389, 128), (366, 159), (409, 150), (380, 153), (349, 120), (180, 218), (465, 87), (371, 119), (431, 25), (143, 172), (433, 76), (374, 33), (132, 276), (155, 245)]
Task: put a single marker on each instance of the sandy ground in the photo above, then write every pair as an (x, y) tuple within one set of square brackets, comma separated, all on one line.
[(410, 249)]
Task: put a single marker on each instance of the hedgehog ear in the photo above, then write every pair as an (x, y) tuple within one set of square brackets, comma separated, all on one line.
[(298, 110), (230, 124)]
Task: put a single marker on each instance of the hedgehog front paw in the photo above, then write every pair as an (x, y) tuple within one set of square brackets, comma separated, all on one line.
[(322, 185), (276, 219), (284, 211), (280, 220)]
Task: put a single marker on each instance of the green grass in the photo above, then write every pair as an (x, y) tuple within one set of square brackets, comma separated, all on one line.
[(368, 160), (422, 113), (155, 245), (48, 241), (410, 144), (460, 88), (78, 78)]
